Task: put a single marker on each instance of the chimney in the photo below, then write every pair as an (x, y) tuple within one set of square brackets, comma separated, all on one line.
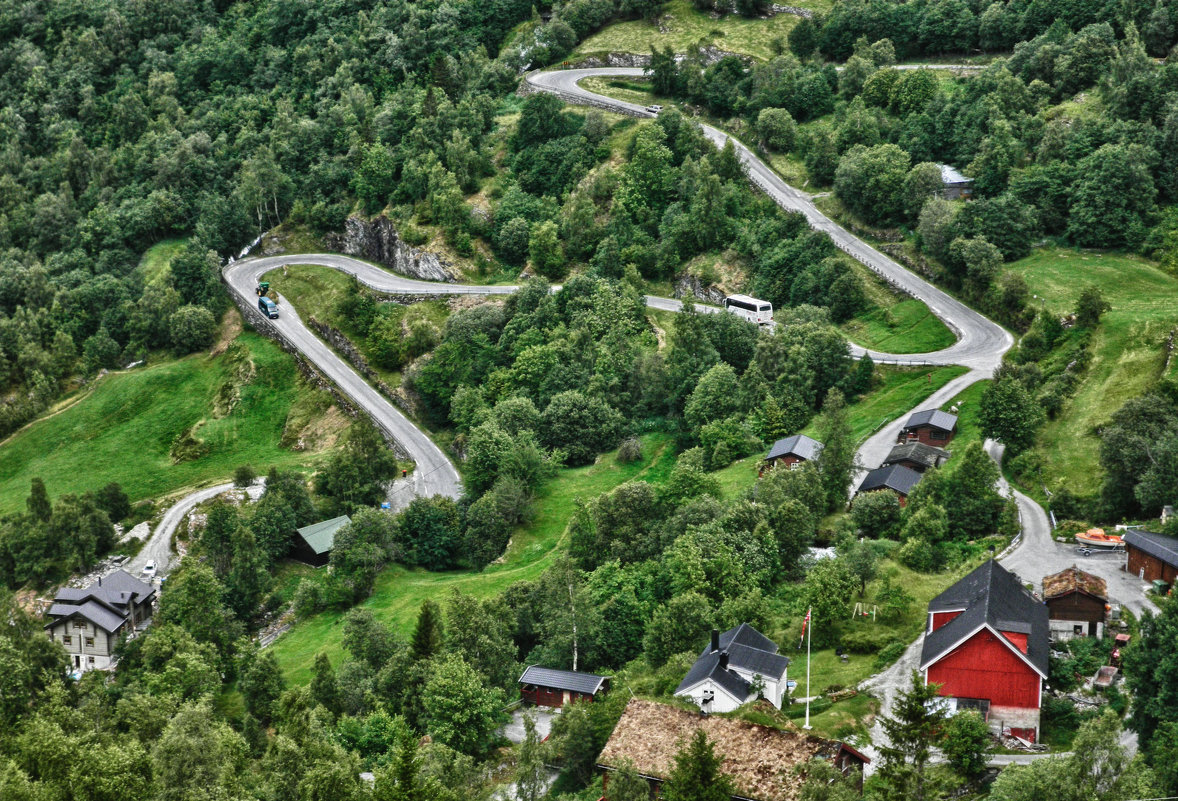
[(723, 660), (715, 640)]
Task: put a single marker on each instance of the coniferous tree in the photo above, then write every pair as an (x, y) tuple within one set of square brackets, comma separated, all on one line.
[(428, 635), (324, 686), (912, 731), (836, 463), (697, 775)]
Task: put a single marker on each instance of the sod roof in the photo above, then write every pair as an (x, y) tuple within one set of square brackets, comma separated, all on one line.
[(1071, 580)]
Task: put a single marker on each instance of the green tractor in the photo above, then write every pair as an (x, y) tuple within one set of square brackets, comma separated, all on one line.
[(263, 288)]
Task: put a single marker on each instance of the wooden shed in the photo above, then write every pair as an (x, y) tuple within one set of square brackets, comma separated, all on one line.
[(1077, 604), (551, 687), (313, 543), (1151, 557)]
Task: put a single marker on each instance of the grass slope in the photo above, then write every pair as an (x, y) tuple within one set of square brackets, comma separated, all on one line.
[(1128, 350), (400, 592), (124, 429), (157, 259), (682, 25)]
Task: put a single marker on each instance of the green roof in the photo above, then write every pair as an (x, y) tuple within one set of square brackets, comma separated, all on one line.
[(321, 536)]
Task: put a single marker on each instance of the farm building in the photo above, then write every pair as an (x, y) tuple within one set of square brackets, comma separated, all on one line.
[(917, 456), (550, 687), (724, 675), (760, 760), (792, 451), (986, 644), (954, 185), (314, 542), (1150, 556), (930, 426), (895, 477), (1077, 604), (89, 622)]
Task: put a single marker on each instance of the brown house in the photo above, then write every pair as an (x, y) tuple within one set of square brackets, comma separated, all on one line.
[(759, 759), (1077, 604), (550, 687), (1150, 556), (792, 451), (895, 477), (917, 456), (930, 426)]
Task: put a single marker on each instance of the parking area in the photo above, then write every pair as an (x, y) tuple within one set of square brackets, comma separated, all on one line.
[(514, 731)]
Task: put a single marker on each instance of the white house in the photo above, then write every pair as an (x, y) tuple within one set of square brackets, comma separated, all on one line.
[(731, 667), (89, 622)]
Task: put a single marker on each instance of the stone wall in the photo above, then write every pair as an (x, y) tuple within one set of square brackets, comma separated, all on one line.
[(377, 240), (264, 326), (346, 348)]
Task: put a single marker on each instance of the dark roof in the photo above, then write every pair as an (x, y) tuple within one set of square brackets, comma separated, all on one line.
[(799, 445), (708, 667), (893, 476), (919, 453), (92, 611), (747, 649), (320, 537), (117, 589), (1159, 546), (932, 417), (569, 680), (989, 595)]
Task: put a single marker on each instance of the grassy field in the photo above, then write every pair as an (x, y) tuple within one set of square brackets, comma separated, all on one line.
[(894, 323), (1128, 350), (399, 592), (124, 429), (681, 26), (154, 264)]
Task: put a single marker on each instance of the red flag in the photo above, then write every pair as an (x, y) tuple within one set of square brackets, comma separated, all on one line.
[(805, 622)]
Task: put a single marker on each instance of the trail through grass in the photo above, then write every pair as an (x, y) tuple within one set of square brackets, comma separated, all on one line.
[(400, 592), (123, 431), (1128, 349)]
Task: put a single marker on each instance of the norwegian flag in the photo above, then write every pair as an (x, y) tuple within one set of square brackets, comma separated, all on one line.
[(805, 623)]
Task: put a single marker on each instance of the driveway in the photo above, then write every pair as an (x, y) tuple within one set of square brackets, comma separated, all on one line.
[(543, 716)]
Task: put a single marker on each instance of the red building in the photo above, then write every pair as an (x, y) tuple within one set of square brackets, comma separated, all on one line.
[(987, 644), (931, 426), (895, 477), (1150, 556), (550, 687)]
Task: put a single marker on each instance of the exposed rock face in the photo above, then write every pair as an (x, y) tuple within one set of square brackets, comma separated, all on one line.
[(686, 285), (614, 60), (377, 240)]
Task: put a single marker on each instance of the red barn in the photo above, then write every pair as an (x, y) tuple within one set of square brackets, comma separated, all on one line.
[(986, 644), (551, 687)]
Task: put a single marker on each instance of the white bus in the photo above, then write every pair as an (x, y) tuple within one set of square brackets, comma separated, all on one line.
[(751, 309)]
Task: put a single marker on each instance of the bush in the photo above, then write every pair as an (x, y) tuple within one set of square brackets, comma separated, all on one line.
[(192, 328), (630, 450), (308, 599), (888, 655), (917, 554), (244, 476), (867, 638)]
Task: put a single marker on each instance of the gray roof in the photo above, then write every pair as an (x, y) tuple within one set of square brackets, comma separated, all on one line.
[(747, 649), (799, 445), (92, 611), (990, 594), (919, 453), (932, 417), (320, 537), (949, 175), (895, 477), (114, 591), (1158, 546), (570, 680)]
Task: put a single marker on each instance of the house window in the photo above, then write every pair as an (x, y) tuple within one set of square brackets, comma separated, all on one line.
[(90, 660), (89, 642), (1078, 631), (934, 434), (79, 624), (66, 639), (794, 465)]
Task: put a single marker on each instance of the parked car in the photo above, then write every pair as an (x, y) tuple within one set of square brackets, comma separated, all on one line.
[(149, 569), (654, 109)]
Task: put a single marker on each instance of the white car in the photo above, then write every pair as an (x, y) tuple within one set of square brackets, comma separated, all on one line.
[(654, 109), (149, 569)]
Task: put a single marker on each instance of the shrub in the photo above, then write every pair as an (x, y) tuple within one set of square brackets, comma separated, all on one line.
[(308, 599), (917, 554), (867, 638), (244, 476), (192, 328), (630, 450), (889, 654)]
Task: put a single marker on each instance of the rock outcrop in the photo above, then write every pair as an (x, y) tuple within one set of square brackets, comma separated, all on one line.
[(689, 285), (377, 240)]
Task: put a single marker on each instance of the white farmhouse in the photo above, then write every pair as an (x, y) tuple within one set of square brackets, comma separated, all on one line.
[(730, 669)]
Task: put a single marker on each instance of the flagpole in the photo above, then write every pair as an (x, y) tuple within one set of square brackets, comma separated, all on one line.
[(809, 630)]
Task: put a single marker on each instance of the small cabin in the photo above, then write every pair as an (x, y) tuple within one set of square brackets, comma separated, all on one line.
[(931, 427), (792, 451), (895, 477), (313, 543), (551, 687), (954, 185), (917, 456), (1151, 557), (1077, 603)]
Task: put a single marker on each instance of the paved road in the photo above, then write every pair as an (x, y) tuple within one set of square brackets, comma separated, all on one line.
[(158, 547)]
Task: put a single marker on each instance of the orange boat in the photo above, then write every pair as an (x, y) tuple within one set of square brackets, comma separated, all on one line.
[(1096, 538)]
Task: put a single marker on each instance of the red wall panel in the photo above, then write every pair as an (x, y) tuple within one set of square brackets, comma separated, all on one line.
[(1018, 639), (983, 667), (941, 618)]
